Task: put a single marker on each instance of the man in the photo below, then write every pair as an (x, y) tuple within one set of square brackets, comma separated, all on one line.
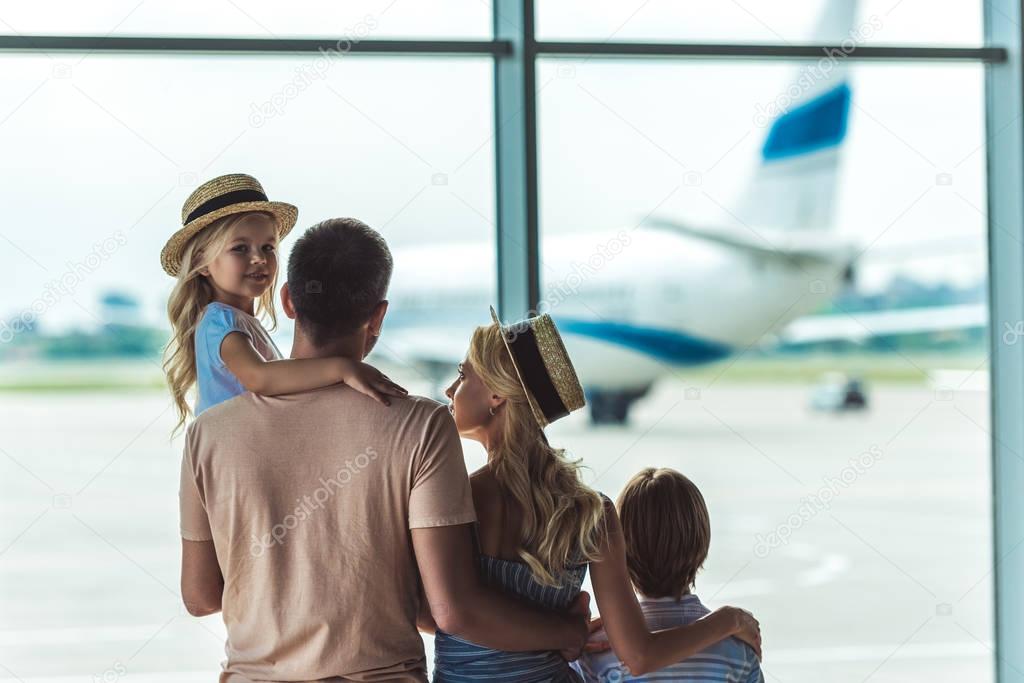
[(311, 518)]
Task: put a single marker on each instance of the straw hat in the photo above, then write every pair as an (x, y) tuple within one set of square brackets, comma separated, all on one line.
[(544, 368), (222, 196)]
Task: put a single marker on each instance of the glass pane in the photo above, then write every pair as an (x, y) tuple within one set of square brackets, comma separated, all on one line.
[(358, 19), (100, 152), (881, 22), (740, 256)]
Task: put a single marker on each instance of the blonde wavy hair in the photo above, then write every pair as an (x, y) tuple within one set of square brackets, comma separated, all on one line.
[(192, 292), (563, 519)]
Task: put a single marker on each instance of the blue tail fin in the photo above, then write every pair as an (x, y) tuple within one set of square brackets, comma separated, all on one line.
[(794, 186)]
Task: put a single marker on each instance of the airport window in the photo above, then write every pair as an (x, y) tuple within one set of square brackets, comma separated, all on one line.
[(108, 147), (361, 19), (878, 22), (773, 273), (308, 127), (662, 172)]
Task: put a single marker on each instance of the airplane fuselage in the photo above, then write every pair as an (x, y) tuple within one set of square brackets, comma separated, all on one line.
[(632, 305)]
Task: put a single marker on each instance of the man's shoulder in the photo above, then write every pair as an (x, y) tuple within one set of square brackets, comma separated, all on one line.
[(403, 407), (224, 411), (419, 405), (222, 416), (222, 421), (420, 416), (248, 405), (414, 401)]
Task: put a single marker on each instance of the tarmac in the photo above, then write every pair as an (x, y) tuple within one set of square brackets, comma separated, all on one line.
[(862, 542)]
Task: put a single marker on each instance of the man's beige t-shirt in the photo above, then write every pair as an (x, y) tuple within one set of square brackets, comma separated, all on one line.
[(308, 499)]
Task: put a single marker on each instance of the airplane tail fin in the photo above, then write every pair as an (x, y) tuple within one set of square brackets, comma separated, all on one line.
[(794, 186)]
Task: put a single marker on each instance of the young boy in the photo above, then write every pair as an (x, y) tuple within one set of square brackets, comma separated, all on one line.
[(667, 532)]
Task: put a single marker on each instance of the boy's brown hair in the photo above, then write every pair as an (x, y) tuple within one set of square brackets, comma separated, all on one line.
[(667, 531)]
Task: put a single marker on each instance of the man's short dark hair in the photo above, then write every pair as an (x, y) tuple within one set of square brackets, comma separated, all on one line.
[(338, 271)]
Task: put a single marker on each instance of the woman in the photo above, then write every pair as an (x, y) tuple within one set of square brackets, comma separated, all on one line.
[(539, 527)]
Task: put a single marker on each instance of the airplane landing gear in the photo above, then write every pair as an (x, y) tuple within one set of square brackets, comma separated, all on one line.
[(612, 407)]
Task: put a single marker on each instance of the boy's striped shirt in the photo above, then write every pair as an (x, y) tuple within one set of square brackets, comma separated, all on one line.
[(729, 660)]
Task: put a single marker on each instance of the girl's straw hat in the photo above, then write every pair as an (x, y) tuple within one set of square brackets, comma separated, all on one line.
[(544, 368), (222, 196)]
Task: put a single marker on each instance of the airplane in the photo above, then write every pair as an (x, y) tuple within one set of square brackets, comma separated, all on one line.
[(635, 305)]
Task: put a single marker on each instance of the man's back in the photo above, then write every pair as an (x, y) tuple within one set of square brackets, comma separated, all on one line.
[(310, 498), (728, 660)]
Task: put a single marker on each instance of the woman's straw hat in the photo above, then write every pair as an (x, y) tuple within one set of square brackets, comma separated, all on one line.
[(544, 368), (222, 196)]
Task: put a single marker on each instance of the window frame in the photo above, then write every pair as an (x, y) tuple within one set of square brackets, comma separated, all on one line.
[(515, 50)]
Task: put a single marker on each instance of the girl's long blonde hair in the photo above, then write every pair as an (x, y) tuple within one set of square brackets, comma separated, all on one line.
[(563, 519), (191, 293)]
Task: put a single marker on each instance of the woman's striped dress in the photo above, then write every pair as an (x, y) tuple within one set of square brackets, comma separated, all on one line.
[(457, 660)]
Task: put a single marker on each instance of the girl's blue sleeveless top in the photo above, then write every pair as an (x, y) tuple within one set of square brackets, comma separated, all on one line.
[(457, 660)]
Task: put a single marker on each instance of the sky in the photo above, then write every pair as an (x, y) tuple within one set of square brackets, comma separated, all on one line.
[(101, 150)]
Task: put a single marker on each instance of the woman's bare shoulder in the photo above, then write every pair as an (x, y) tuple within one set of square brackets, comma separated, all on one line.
[(485, 486)]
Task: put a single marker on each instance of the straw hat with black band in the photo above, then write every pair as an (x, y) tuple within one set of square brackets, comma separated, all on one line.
[(217, 198), (552, 388)]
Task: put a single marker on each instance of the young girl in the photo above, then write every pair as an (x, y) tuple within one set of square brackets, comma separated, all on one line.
[(225, 261)]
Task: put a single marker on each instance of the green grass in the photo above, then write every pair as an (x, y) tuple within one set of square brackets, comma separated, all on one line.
[(123, 376), (887, 368), (80, 386), (68, 376)]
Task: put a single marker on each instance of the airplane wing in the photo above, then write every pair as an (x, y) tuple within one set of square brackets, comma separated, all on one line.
[(768, 242), (860, 325)]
